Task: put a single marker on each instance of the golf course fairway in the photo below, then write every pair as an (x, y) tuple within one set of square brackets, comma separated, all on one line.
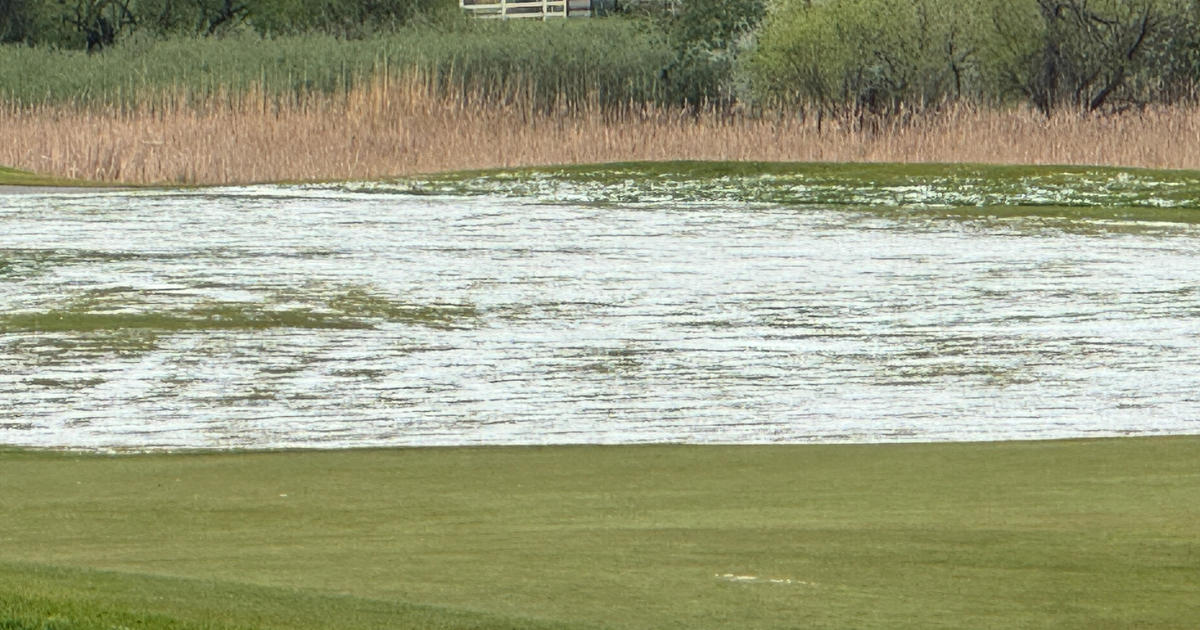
[(1063, 534)]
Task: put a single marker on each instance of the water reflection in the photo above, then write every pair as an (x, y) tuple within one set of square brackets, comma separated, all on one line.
[(270, 317)]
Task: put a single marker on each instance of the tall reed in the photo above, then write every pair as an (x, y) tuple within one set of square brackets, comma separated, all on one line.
[(406, 123)]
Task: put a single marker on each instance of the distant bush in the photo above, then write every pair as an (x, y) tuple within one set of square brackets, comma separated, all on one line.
[(708, 37), (96, 24), (867, 60), (870, 56), (882, 57), (1105, 55), (35, 22), (15, 21)]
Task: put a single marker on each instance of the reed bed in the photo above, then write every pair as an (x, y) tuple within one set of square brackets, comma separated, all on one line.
[(617, 61), (402, 125)]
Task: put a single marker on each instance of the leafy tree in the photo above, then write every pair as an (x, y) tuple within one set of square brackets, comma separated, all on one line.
[(14, 21), (1098, 54), (95, 24), (98, 22), (707, 37), (869, 57), (197, 17)]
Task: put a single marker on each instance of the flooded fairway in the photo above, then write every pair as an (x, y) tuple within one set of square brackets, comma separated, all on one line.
[(356, 316)]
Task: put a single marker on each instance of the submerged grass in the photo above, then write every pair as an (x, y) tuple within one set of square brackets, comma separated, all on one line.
[(230, 316), (126, 309), (364, 303), (124, 321), (65, 348), (1074, 534)]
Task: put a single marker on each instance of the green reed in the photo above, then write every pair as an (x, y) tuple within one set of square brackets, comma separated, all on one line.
[(557, 63)]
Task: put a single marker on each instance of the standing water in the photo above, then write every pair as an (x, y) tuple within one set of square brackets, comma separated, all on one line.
[(338, 316)]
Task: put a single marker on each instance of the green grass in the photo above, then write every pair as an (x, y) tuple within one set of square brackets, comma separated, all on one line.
[(967, 190), (1074, 192), (1073, 534), (33, 597), (14, 177)]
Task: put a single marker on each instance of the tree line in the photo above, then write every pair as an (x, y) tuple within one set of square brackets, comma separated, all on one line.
[(884, 57), (96, 24), (866, 59)]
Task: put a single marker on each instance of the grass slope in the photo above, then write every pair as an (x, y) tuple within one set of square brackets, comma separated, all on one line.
[(1075, 534), (14, 177), (1075, 192)]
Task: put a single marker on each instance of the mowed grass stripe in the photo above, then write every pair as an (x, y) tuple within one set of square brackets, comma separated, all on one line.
[(1065, 534), (57, 598)]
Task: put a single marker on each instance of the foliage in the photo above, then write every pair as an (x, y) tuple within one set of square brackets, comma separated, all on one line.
[(202, 17), (869, 56), (1110, 54), (865, 60), (882, 57), (15, 21), (647, 8), (96, 24), (707, 37)]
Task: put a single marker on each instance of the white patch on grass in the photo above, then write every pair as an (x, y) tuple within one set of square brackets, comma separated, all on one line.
[(755, 579)]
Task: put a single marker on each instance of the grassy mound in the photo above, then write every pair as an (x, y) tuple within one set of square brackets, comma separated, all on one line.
[(1000, 190), (14, 177)]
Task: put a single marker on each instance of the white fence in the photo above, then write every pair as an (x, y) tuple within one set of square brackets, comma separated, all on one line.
[(540, 9)]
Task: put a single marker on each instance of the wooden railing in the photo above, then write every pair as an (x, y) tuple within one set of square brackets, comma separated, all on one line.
[(541, 9)]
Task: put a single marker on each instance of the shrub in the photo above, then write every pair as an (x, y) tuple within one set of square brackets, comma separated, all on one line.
[(95, 24), (883, 57), (868, 56), (1106, 55), (707, 37), (16, 23)]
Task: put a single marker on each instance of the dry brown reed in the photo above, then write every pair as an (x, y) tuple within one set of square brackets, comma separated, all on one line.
[(402, 126)]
